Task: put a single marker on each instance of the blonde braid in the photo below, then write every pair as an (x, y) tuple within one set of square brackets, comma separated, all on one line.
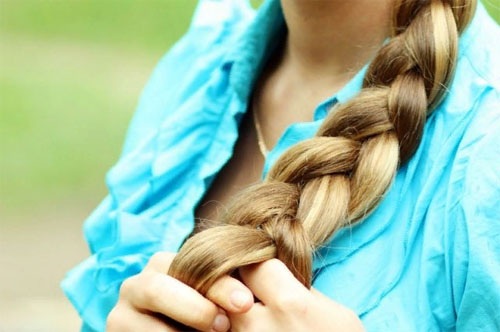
[(339, 176)]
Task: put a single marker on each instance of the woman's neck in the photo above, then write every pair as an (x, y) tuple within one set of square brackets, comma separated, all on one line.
[(334, 38), (328, 42)]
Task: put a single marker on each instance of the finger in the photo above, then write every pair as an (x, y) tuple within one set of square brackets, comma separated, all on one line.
[(274, 284), (256, 319), (123, 318), (231, 295), (160, 293), (160, 261)]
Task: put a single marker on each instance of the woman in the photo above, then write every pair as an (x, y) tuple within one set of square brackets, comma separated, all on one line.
[(386, 219)]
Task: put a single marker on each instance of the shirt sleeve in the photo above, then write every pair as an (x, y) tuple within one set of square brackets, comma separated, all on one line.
[(120, 235), (476, 216), (188, 61)]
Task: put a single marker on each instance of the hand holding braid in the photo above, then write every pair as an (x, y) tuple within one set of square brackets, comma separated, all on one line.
[(339, 176)]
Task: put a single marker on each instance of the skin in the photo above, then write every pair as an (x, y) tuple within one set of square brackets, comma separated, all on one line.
[(286, 305), (327, 43), (144, 298)]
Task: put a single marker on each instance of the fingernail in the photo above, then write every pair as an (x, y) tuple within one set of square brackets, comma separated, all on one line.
[(239, 299), (221, 323)]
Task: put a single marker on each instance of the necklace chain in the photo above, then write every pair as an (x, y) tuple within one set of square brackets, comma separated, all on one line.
[(260, 137)]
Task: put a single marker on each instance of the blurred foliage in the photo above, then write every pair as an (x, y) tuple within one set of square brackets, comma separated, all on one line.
[(150, 25), (70, 75), (71, 72), (493, 7)]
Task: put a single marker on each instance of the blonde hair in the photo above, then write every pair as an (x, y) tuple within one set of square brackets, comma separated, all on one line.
[(338, 177)]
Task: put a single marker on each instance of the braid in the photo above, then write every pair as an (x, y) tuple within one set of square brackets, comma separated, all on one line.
[(339, 176)]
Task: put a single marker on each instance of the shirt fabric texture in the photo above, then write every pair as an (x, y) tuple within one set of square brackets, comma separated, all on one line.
[(428, 257)]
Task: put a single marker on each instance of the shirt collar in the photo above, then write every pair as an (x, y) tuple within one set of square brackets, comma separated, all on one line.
[(254, 47), (346, 93)]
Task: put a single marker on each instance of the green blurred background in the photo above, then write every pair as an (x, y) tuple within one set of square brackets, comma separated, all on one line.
[(70, 76)]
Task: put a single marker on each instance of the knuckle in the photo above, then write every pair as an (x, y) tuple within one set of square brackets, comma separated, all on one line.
[(127, 286), (154, 288), (161, 261), (156, 258)]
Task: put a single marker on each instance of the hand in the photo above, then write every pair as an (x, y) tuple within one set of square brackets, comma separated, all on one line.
[(154, 301), (286, 305)]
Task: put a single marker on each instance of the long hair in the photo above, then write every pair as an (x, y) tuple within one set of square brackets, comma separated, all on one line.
[(339, 176)]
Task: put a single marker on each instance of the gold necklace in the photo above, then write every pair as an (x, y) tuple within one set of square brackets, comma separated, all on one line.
[(260, 138)]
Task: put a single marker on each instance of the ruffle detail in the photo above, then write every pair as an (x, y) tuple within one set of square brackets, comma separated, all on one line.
[(181, 135)]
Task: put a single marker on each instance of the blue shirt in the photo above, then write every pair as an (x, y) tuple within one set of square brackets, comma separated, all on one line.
[(427, 259)]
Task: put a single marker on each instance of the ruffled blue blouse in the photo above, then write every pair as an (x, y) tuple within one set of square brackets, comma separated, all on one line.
[(427, 259)]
